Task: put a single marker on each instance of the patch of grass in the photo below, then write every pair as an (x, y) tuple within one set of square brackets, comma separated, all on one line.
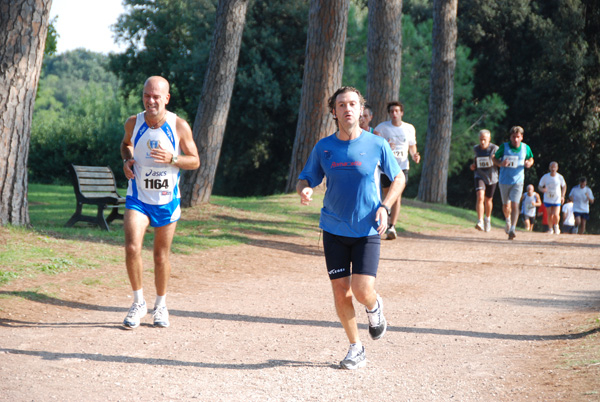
[(91, 281), (55, 266), (7, 276), (586, 351), (48, 247)]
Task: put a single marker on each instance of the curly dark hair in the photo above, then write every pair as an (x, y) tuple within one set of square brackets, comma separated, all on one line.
[(331, 101), (395, 103)]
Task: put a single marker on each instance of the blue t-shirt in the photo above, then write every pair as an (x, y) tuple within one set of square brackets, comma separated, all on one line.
[(352, 169)]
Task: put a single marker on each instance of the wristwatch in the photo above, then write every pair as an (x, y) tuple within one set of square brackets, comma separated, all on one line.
[(173, 159), (388, 210)]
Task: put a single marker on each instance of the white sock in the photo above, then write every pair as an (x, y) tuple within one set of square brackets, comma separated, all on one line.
[(512, 228), (356, 346), (480, 222), (160, 301), (486, 219), (138, 296), (375, 308)]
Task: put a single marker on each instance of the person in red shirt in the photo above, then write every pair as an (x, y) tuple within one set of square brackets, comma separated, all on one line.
[(543, 212)]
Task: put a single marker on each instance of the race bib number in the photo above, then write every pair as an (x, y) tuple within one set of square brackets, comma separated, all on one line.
[(513, 161), (551, 195), (400, 154), (154, 179), (484, 162)]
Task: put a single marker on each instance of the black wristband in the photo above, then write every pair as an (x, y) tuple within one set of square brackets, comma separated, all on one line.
[(388, 210)]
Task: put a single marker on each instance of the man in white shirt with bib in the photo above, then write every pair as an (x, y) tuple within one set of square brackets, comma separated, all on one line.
[(402, 138), (152, 159), (554, 187), (582, 197)]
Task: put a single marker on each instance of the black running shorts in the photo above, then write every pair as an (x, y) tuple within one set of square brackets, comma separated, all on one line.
[(345, 256)]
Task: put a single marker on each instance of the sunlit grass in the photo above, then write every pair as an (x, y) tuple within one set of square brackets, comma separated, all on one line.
[(48, 248)]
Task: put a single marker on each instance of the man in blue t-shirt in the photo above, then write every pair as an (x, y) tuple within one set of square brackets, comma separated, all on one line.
[(512, 158), (353, 216)]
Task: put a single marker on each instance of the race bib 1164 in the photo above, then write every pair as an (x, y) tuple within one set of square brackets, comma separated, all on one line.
[(155, 179)]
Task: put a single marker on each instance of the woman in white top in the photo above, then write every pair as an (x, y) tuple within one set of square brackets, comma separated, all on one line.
[(582, 198), (554, 187)]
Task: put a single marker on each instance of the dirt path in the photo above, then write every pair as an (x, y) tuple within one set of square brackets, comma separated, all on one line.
[(473, 317)]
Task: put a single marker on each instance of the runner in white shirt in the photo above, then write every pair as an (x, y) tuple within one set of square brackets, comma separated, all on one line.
[(554, 187), (529, 202), (402, 138), (568, 218), (582, 198), (156, 144)]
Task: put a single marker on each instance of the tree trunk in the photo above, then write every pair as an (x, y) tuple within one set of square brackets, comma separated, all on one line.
[(23, 30), (215, 99), (434, 177), (323, 68), (384, 56)]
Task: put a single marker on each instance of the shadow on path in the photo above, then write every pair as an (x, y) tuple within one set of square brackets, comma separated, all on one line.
[(161, 362), (7, 323)]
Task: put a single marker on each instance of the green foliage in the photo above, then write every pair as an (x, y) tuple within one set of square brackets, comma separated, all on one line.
[(51, 38), (78, 117), (470, 114), (170, 38), (262, 121), (543, 59), (355, 56), (264, 109)]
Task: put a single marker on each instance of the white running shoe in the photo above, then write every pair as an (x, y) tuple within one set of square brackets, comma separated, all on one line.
[(556, 229), (550, 231), (135, 314), (479, 226), (377, 322), (507, 229), (161, 317), (487, 225), (391, 233), (356, 358)]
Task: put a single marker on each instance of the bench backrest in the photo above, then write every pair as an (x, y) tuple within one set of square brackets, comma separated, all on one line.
[(94, 181)]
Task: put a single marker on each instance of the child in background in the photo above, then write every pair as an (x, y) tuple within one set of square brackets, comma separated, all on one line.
[(529, 202), (568, 218)]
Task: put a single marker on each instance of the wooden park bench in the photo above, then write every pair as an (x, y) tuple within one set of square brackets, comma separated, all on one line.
[(95, 185)]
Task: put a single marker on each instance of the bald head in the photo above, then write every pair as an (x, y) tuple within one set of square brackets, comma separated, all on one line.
[(158, 82), (156, 97)]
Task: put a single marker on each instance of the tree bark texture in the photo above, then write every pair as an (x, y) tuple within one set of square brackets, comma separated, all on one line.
[(384, 56), (23, 30), (211, 119), (323, 69), (434, 177)]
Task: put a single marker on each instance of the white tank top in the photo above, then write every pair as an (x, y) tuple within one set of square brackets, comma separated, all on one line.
[(154, 183), (528, 208)]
